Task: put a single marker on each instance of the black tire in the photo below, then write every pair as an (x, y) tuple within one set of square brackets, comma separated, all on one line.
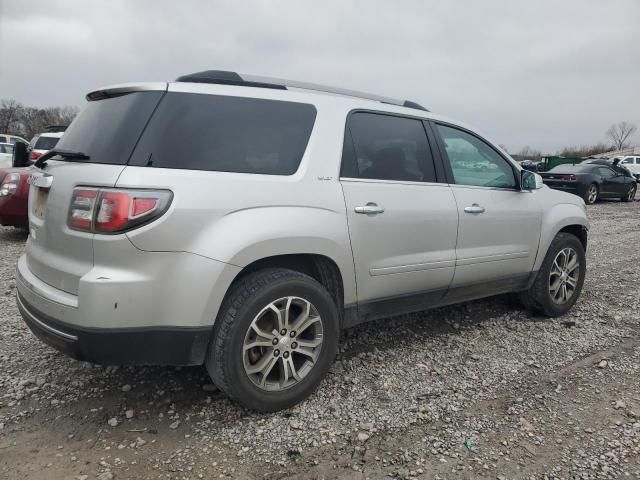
[(630, 194), (243, 302), (538, 298), (588, 198)]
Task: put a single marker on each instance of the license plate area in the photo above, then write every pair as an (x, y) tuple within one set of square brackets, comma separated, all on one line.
[(40, 205)]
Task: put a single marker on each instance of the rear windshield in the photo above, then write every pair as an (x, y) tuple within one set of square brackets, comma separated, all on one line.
[(571, 168), (226, 134), (108, 129), (46, 143)]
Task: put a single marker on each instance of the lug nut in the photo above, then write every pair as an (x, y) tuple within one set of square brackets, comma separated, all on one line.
[(294, 345), (285, 354), (292, 334), (274, 341), (283, 331), (276, 352)]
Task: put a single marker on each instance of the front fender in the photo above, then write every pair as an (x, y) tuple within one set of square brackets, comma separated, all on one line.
[(556, 218)]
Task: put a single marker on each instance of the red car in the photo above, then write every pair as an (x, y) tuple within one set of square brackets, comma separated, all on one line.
[(14, 197)]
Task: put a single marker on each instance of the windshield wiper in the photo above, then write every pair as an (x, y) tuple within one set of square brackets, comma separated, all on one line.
[(66, 154)]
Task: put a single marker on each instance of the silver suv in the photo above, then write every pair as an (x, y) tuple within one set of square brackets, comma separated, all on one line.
[(242, 222)]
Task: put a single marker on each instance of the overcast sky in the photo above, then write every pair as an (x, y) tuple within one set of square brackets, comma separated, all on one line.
[(540, 73)]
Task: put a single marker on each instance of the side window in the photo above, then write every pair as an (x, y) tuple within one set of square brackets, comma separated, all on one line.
[(606, 172), (475, 162), (386, 147), (627, 161)]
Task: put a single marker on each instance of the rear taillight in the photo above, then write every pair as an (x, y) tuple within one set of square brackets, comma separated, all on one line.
[(570, 178), (115, 211), (35, 155), (9, 184)]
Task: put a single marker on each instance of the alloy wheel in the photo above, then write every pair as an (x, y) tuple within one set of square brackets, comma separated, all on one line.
[(564, 276), (593, 194), (632, 193), (282, 344)]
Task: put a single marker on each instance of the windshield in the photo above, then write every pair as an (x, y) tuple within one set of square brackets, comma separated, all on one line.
[(46, 143), (107, 130)]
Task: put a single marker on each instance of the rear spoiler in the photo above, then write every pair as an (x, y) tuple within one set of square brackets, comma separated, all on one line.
[(124, 88)]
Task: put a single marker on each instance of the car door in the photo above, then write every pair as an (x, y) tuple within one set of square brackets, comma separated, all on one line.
[(613, 183), (402, 223), (499, 227)]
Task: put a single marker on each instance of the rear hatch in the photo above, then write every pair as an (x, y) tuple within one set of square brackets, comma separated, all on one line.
[(106, 132)]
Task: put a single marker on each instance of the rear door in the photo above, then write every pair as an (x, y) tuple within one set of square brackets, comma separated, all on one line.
[(106, 131), (402, 222), (499, 228)]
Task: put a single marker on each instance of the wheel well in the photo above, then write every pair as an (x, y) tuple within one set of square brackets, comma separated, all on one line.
[(579, 231), (320, 268)]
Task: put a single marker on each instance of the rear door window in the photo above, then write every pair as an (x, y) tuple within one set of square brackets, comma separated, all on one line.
[(226, 134), (387, 147)]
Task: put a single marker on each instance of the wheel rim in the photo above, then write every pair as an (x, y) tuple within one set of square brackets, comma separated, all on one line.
[(593, 193), (632, 193), (282, 344), (564, 276)]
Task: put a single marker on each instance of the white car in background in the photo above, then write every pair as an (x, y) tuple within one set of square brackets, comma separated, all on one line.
[(11, 139), (6, 155), (42, 143), (631, 163)]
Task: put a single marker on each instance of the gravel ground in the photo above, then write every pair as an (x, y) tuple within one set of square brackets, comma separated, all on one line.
[(482, 389)]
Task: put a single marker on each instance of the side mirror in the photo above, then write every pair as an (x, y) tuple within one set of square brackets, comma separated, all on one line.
[(20, 155), (530, 180)]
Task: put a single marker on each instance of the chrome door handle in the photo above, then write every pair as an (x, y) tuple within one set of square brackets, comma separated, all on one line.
[(369, 208), (475, 208)]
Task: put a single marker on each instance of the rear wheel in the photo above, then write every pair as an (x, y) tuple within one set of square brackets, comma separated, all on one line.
[(559, 282), (274, 340), (631, 194), (591, 195)]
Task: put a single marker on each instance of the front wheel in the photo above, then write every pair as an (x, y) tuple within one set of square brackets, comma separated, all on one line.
[(559, 281), (274, 340), (591, 195), (630, 194)]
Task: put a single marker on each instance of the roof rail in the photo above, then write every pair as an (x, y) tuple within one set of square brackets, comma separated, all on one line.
[(233, 78)]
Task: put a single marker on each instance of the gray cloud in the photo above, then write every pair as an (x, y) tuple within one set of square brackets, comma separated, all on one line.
[(540, 73)]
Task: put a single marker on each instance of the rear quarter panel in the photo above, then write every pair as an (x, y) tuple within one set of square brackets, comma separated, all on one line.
[(239, 218)]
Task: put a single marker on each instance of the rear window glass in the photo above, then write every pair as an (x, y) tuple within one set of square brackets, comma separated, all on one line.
[(572, 168), (108, 129), (226, 134), (46, 143)]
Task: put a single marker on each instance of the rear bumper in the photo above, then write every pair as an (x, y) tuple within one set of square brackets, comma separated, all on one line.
[(128, 346), (155, 309)]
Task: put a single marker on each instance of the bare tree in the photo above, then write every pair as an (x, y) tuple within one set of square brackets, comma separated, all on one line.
[(10, 112), (620, 133)]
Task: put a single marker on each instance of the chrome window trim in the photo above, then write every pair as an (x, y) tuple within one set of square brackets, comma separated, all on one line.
[(390, 182)]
